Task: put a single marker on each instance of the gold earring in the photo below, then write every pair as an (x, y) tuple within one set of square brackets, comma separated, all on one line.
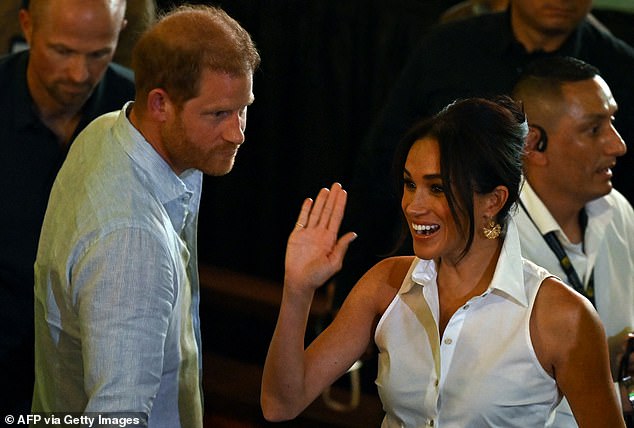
[(492, 230)]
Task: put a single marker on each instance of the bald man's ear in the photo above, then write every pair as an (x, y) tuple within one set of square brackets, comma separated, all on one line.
[(26, 24)]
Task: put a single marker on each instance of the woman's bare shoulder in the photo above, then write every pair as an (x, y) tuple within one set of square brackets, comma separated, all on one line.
[(571, 306), (559, 319), (381, 283), (389, 272)]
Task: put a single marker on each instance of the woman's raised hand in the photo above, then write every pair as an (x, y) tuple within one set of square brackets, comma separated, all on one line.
[(314, 253)]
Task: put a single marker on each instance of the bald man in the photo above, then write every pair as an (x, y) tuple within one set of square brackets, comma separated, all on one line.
[(49, 94), (569, 210)]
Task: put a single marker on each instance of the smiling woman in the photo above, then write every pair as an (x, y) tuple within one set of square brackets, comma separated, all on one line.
[(437, 147), (444, 356)]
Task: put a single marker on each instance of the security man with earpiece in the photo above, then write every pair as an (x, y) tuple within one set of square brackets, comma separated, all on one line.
[(570, 219)]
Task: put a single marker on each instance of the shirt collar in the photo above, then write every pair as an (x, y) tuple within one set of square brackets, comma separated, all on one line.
[(508, 278), (538, 211), (601, 208), (159, 175), (598, 211), (509, 272)]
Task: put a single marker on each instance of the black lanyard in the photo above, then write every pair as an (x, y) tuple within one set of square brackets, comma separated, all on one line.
[(564, 261)]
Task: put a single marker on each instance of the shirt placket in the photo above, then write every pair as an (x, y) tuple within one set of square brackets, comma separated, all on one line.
[(448, 344)]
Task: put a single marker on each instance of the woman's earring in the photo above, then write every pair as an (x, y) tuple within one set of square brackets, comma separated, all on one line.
[(492, 230)]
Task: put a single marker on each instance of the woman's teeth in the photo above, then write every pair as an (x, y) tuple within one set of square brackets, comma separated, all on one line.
[(425, 229)]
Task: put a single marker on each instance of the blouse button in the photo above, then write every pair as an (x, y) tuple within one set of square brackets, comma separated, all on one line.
[(448, 341)]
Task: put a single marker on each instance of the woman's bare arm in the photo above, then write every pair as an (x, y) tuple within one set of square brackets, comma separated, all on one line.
[(571, 344), (314, 253)]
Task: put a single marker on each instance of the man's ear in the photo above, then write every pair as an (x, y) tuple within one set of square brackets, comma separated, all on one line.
[(26, 24), (159, 105), (535, 145)]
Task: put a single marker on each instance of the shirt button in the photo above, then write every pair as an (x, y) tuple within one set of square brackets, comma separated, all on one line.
[(448, 341), (430, 423), (436, 383), (465, 307)]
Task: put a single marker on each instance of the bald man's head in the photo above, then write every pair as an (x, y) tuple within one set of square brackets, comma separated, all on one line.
[(38, 9)]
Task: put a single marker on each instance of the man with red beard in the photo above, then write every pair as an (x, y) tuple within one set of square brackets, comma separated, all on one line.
[(48, 95), (116, 274), (570, 219)]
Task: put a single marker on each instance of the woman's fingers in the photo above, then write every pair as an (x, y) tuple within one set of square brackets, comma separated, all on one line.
[(342, 246), (304, 213), (313, 248), (338, 208), (326, 211), (329, 207), (318, 207), (327, 203)]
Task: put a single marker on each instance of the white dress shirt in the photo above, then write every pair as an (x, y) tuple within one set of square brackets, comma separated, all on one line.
[(483, 372), (608, 249)]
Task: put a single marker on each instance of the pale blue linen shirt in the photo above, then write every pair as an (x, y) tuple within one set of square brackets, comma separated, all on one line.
[(116, 282)]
